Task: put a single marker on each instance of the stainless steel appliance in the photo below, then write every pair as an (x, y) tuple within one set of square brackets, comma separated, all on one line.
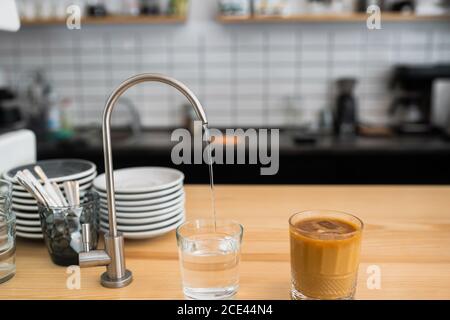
[(412, 104), (11, 116), (441, 105)]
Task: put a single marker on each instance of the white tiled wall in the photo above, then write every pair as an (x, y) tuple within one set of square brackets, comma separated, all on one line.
[(241, 73)]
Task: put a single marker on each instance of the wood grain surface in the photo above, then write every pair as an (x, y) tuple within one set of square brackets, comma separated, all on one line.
[(406, 235)]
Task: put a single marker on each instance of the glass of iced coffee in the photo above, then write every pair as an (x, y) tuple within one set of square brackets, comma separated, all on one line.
[(325, 248)]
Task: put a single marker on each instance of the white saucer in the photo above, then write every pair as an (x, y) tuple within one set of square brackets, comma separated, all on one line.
[(27, 195), (142, 209), (23, 207), (141, 196), (27, 215), (28, 229), (28, 222), (152, 233), (30, 235), (145, 227), (141, 179), (19, 200), (144, 203), (131, 215), (148, 221), (82, 182)]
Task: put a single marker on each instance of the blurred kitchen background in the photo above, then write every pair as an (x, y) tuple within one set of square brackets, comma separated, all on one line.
[(354, 105)]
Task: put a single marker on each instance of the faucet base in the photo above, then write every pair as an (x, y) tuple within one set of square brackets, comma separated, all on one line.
[(107, 282)]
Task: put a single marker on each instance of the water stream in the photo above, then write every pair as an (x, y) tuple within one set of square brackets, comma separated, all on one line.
[(211, 173)]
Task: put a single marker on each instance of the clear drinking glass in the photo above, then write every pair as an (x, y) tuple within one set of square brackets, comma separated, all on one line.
[(325, 248), (209, 254), (7, 233)]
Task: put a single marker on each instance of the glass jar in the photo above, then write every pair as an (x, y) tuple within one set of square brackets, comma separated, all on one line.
[(7, 233), (61, 227)]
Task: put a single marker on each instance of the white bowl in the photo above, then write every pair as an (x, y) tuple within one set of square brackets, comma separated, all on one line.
[(153, 207), (27, 215), (143, 203), (30, 235), (28, 222), (23, 207), (141, 196), (27, 195), (141, 179), (145, 227), (19, 200), (81, 182), (28, 229), (148, 214), (150, 233), (58, 169), (144, 221)]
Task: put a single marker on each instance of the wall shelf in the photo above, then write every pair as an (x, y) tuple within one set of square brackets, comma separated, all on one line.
[(123, 20), (354, 17), (110, 20)]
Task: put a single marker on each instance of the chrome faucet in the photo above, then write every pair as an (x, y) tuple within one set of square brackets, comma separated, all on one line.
[(116, 275)]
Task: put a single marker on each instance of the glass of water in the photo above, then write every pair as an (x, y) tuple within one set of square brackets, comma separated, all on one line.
[(7, 233), (209, 253)]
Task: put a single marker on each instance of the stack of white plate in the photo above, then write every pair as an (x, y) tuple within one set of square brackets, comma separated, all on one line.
[(24, 205), (149, 201)]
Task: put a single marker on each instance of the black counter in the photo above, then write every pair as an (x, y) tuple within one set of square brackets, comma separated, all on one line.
[(326, 160)]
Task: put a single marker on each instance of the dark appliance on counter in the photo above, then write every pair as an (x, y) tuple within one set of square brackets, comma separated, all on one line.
[(150, 7), (411, 107), (11, 117), (345, 113), (403, 6), (96, 9)]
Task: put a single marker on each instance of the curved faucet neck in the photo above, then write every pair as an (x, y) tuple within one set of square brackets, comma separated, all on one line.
[(111, 102)]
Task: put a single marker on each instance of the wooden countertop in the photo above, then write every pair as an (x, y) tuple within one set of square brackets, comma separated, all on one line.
[(407, 234)]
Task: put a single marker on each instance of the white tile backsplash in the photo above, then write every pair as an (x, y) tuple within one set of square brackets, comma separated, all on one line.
[(242, 73), (318, 72), (319, 38), (320, 55)]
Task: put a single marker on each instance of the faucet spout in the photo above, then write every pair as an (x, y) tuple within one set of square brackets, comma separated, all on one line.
[(116, 275)]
